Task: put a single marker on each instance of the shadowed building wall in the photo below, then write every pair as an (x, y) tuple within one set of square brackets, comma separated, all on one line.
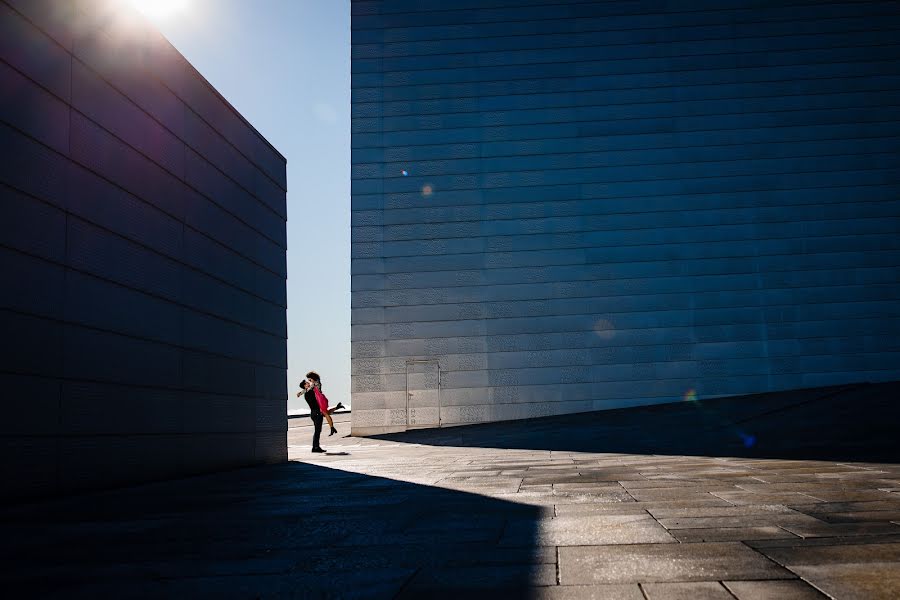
[(142, 243), (575, 206)]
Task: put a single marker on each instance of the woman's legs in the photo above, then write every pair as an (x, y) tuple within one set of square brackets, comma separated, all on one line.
[(330, 421)]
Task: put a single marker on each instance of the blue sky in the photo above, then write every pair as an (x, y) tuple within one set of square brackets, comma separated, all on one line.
[(285, 65)]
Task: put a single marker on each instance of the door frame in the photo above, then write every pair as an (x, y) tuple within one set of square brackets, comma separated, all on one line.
[(420, 361)]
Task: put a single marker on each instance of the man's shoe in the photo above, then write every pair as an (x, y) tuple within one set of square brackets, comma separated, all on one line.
[(339, 406), (318, 450)]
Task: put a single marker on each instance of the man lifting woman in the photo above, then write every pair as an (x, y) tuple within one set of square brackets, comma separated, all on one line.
[(318, 406)]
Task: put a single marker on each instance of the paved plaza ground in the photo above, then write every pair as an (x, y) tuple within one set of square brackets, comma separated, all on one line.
[(790, 495)]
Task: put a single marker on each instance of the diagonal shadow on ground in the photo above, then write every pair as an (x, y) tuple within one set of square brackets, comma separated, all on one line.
[(291, 530), (842, 423)]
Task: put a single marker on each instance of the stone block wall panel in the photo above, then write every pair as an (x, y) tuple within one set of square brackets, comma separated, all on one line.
[(587, 205), (143, 253)]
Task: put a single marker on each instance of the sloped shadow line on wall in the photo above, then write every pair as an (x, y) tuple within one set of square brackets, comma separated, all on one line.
[(839, 423)]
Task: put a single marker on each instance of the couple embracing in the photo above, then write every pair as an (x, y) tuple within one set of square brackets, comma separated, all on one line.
[(318, 406)]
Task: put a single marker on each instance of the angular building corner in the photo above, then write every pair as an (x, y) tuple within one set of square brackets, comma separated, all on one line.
[(142, 240), (574, 206)]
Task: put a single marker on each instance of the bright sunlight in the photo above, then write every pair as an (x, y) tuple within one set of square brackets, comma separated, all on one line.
[(160, 9)]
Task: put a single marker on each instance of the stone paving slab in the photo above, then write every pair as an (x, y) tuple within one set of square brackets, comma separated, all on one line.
[(868, 581), (823, 541), (743, 498), (730, 534), (586, 530), (754, 520), (486, 580), (834, 554), (724, 510), (773, 590), (703, 590), (841, 529), (840, 507), (638, 563), (588, 592)]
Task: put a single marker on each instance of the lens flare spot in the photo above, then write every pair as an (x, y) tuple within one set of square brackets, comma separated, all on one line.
[(690, 395), (427, 190), (604, 329), (405, 173), (749, 440)]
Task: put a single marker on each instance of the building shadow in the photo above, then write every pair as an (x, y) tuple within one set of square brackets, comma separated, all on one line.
[(290, 530), (840, 423)]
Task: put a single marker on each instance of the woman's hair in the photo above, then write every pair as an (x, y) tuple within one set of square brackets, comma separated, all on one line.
[(315, 377), (304, 384)]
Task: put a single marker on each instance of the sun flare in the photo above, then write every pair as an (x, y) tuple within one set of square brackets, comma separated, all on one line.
[(160, 9)]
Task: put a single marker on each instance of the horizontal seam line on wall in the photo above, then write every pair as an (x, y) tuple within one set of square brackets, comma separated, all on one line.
[(549, 169), (675, 244), (145, 247), (618, 120), (568, 282), (758, 291), (618, 104), (888, 62), (456, 10), (670, 197), (194, 74), (683, 179), (133, 195), (760, 308), (675, 399), (763, 341), (395, 28), (131, 336), (616, 135), (385, 27), (654, 227), (669, 130), (614, 60), (592, 278), (699, 376), (600, 265), (609, 216), (600, 348), (586, 32), (575, 153), (509, 7), (157, 296), (598, 214), (582, 76), (613, 297)]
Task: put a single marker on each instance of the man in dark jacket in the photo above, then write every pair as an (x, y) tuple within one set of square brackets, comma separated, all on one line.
[(314, 413)]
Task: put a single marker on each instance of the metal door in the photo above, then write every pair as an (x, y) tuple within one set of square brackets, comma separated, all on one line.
[(423, 394)]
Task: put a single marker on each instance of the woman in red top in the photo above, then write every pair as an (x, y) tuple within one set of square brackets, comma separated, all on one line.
[(323, 400)]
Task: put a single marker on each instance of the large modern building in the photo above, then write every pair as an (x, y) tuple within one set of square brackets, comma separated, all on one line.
[(564, 206), (142, 253)]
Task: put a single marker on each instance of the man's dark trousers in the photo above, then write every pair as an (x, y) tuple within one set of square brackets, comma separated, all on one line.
[(317, 418)]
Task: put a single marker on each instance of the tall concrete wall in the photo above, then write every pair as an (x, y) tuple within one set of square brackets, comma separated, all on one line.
[(578, 205), (142, 244)]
